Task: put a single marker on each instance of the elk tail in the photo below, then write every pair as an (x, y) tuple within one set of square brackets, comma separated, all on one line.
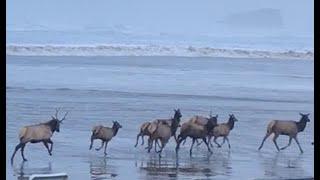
[(22, 132), (270, 126)]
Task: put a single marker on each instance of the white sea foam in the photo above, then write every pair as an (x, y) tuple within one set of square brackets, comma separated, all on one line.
[(151, 50)]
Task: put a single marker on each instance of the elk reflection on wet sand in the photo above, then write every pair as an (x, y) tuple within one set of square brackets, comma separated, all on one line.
[(23, 171), (99, 169), (282, 165), (216, 165)]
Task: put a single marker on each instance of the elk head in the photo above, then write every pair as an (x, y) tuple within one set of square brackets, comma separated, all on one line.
[(57, 120)]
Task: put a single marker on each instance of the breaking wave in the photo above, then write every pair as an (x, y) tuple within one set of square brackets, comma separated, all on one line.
[(151, 50)]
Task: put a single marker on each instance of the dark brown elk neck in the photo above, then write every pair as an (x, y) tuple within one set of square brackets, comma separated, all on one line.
[(209, 126), (301, 125), (174, 125), (52, 124), (230, 124), (115, 130)]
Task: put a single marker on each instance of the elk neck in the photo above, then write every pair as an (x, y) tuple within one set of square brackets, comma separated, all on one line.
[(174, 124), (230, 124), (301, 125), (209, 126), (115, 130), (52, 124)]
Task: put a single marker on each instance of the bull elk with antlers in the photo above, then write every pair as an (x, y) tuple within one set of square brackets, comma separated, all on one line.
[(39, 133)]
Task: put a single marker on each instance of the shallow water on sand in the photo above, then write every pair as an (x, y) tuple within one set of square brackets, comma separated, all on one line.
[(133, 90)]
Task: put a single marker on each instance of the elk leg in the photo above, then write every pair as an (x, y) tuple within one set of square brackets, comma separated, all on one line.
[(198, 143), (102, 143), (175, 137), (287, 145), (205, 141), (47, 147), (160, 146), (209, 140), (50, 142), (138, 135), (22, 152), (193, 140), (163, 144), (16, 149), (92, 138), (184, 141), (224, 140), (155, 145), (227, 141), (180, 139), (142, 137), (150, 144), (264, 139), (215, 141), (296, 139), (275, 141), (105, 148)]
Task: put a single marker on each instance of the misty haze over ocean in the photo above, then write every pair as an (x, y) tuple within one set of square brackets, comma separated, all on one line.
[(169, 26)]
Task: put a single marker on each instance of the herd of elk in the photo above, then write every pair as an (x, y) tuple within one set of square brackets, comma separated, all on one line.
[(197, 127)]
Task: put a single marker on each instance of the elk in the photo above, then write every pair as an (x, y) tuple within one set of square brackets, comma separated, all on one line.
[(105, 134), (172, 124), (39, 133), (200, 120), (148, 128), (286, 127), (222, 130), (194, 131), (163, 132)]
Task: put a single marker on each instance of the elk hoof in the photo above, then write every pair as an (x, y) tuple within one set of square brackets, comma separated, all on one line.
[(219, 146), (25, 159), (97, 149)]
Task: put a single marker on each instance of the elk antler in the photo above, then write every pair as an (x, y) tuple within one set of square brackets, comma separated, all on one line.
[(57, 110), (64, 117)]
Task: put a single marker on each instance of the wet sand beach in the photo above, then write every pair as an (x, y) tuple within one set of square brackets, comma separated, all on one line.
[(133, 90)]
